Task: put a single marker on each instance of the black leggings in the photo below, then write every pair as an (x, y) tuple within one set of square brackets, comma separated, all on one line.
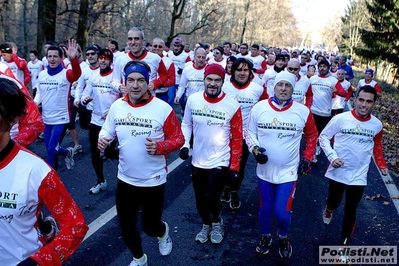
[(208, 186), (94, 130), (129, 199), (235, 185), (321, 122), (353, 195)]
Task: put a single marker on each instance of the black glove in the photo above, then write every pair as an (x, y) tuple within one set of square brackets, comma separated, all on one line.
[(183, 154), (179, 71), (28, 262), (260, 157), (233, 176), (304, 167)]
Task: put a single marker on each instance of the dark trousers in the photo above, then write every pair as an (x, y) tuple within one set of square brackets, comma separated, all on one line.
[(234, 185), (84, 117), (321, 122), (337, 111), (129, 199), (96, 161), (208, 186), (353, 195)]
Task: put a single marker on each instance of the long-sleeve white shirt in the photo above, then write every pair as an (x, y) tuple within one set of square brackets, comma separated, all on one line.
[(355, 141), (99, 88), (279, 130), (192, 80)]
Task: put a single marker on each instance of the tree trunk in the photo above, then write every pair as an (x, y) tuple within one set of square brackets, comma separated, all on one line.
[(246, 9), (25, 30), (46, 22), (5, 23), (83, 24)]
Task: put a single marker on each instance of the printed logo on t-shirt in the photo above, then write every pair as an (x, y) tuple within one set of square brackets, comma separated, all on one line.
[(8, 200), (208, 112)]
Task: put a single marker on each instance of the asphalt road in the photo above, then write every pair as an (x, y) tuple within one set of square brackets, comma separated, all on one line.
[(377, 224)]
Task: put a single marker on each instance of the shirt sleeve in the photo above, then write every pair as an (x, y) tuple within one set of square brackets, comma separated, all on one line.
[(174, 138), (236, 140), (340, 90), (187, 125), (31, 124), (326, 135), (108, 130), (73, 228), (310, 133), (182, 85), (117, 75), (74, 73), (162, 81), (309, 97), (378, 151), (350, 92), (251, 131), (171, 76)]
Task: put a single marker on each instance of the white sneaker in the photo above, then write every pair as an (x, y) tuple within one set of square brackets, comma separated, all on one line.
[(203, 235), (318, 150), (139, 262), (314, 159), (217, 232), (77, 149), (98, 187), (165, 242), (327, 216), (69, 162)]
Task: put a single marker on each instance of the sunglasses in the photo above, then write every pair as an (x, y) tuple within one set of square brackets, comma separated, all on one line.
[(157, 46), (104, 57), (92, 53), (6, 50), (293, 68)]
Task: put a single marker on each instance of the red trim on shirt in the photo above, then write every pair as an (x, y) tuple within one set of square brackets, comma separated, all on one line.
[(197, 67), (282, 109), (137, 105), (243, 87), (359, 118), (214, 100), (141, 57), (106, 74)]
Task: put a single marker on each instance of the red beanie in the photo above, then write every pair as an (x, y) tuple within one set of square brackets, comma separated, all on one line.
[(215, 69)]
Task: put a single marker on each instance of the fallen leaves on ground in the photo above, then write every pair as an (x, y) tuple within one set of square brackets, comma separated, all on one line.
[(387, 110)]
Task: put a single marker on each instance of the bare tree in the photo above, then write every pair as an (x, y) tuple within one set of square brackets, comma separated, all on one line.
[(178, 8), (46, 21), (356, 18)]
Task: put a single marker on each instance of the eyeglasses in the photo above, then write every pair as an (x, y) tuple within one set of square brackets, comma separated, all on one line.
[(216, 53), (92, 53), (157, 46), (293, 68)]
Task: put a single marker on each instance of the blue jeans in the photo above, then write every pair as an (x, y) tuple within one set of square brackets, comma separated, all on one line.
[(275, 198), (52, 136)]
